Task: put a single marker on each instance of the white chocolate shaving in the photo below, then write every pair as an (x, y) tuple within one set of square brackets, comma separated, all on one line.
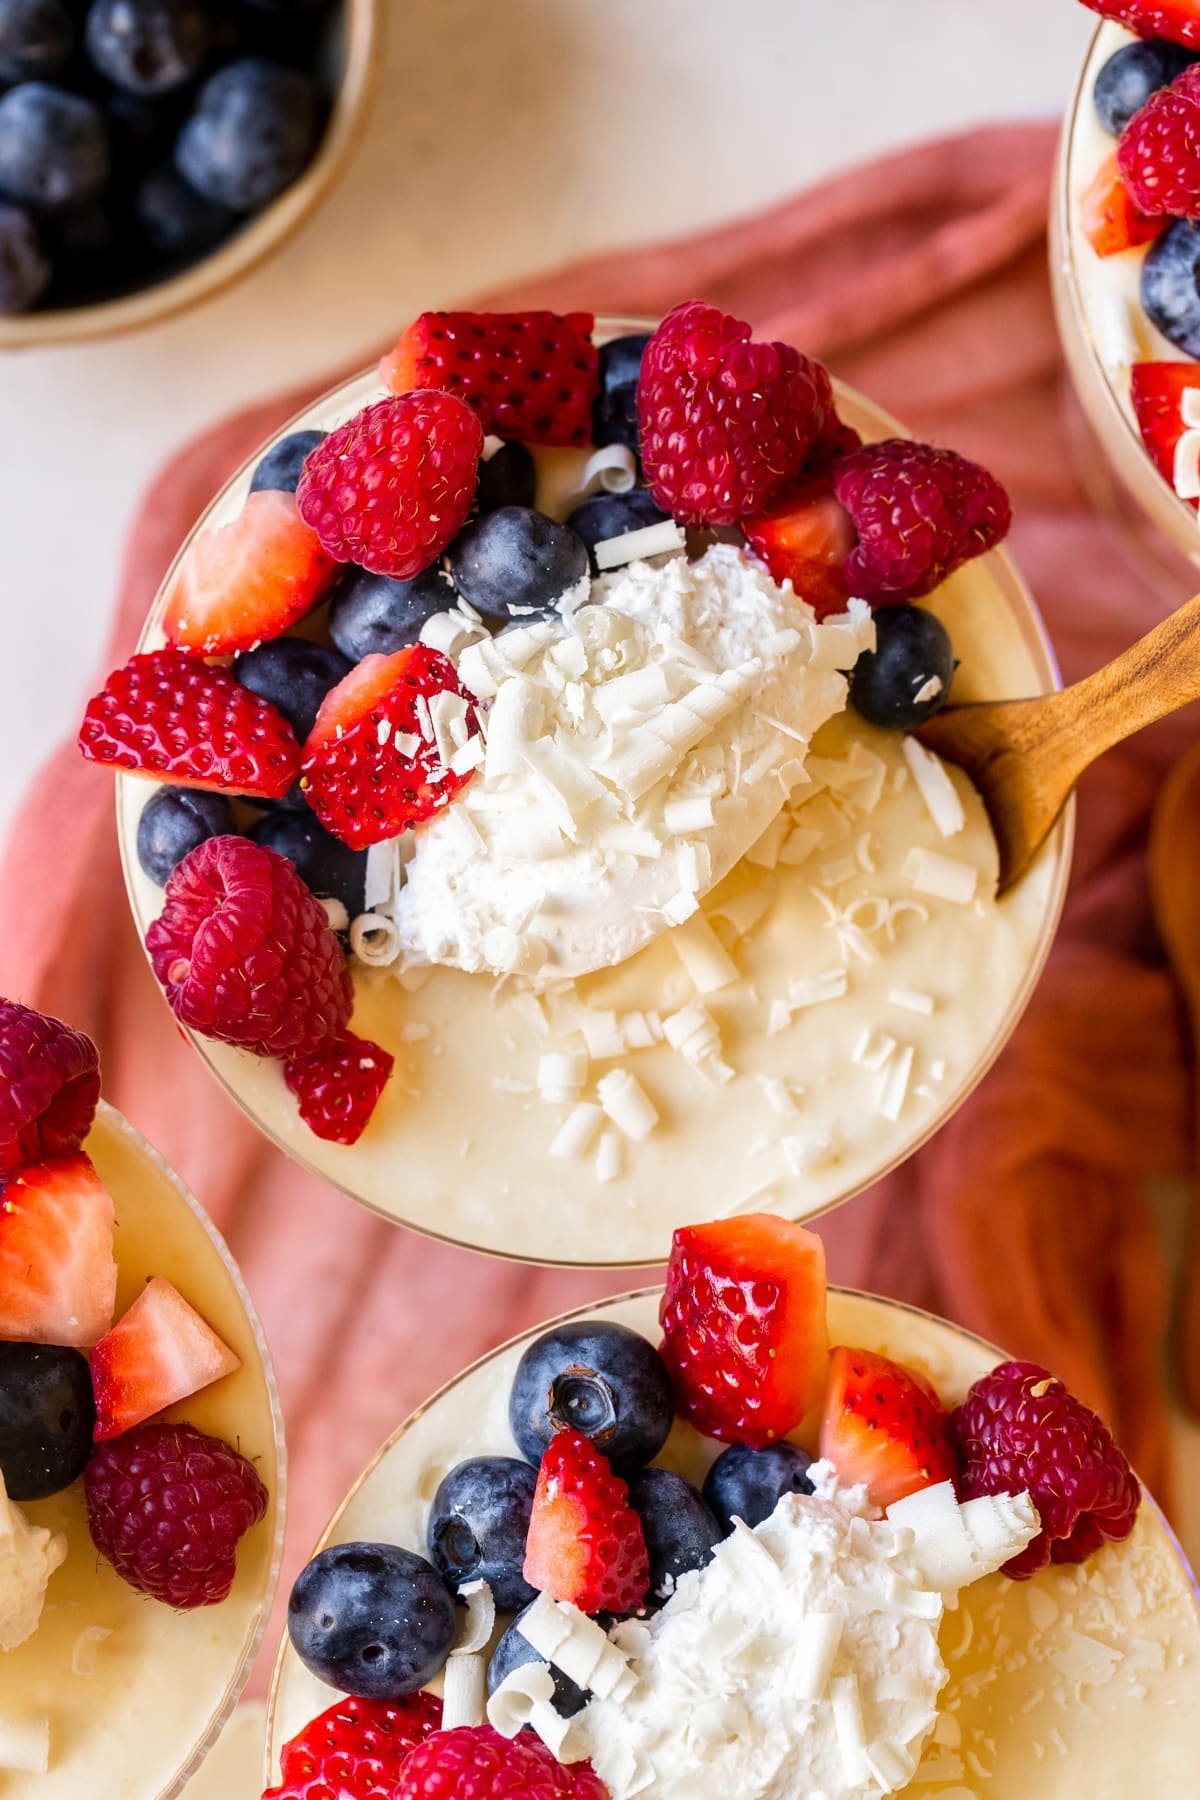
[(704, 956), (83, 1651), (935, 787), (25, 1742), (639, 545), (943, 877), (627, 1104), (464, 1691), (577, 1132)]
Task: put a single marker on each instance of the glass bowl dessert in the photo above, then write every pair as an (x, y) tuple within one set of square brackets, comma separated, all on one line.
[(1066, 1673), (768, 1000), (108, 1688)]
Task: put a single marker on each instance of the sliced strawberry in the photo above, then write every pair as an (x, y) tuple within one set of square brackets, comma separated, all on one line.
[(1178, 20), (1110, 220), (743, 1320), (805, 538), (160, 1352), (355, 1749), (371, 766), (339, 1088), (1157, 390), (246, 582), (58, 1276), (585, 1542), (885, 1427)]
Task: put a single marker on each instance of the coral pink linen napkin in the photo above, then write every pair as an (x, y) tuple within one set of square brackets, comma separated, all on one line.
[(1025, 1219)]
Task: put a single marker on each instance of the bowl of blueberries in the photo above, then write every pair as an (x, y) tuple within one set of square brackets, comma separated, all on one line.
[(153, 151)]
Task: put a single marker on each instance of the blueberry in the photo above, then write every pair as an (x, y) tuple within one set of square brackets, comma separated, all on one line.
[(507, 479), (906, 678), (54, 148), (1171, 285), (611, 515), (46, 1418), (174, 821), (621, 360), (1129, 77), (24, 265), (749, 1484), (680, 1531), (283, 464), (294, 675), (371, 1619), (148, 46), (614, 414), (324, 864), (36, 38), (516, 561), (478, 1524), (605, 1381), (254, 129), (514, 1651), (174, 219), (372, 615)]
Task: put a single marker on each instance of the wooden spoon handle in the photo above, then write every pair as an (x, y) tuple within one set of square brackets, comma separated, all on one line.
[(1156, 676)]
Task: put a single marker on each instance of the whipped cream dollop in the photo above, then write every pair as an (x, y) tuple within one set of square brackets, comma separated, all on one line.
[(29, 1555), (637, 745)]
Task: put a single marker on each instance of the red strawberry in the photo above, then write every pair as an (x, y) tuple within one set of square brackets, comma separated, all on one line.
[(355, 1749), (339, 1088), (1178, 20), (58, 1277), (531, 376), (173, 717), (884, 1426), (1157, 390), (1110, 220), (160, 1352), (805, 538), (743, 1320), (585, 1542), (242, 583), (371, 767)]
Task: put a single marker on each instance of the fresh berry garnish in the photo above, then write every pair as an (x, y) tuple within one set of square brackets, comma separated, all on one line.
[(371, 1619), (173, 218), (161, 1352), (1131, 75), (805, 538), (604, 516), (680, 1531), (173, 717), (54, 147), (371, 615), (478, 1524), (906, 678), (254, 127), (515, 562), (168, 1505), (514, 1651), (603, 1381), (476, 1763), (920, 512), (885, 1427), (391, 488), (355, 1749), (1157, 390), (246, 581), (585, 1541), (36, 39), (614, 416), (24, 265), (1178, 20), (338, 1088), (1109, 219), (46, 1418), (283, 464), (58, 1277), (748, 1484), (744, 1330), (725, 421), (1170, 285), (245, 953), (49, 1085), (330, 868), (530, 376), (507, 478), (1159, 151), (293, 675), (1019, 1429), (371, 767), (173, 821), (146, 46)]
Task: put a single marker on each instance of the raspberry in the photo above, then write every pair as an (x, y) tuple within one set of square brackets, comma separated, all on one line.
[(1018, 1429), (476, 1763), (245, 952), (168, 1506), (391, 488), (1159, 152), (725, 421), (339, 1088), (919, 512), (174, 717), (530, 376), (355, 1748), (49, 1086)]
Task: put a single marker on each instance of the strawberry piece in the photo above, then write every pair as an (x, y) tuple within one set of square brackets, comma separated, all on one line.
[(585, 1542), (160, 1352), (805, 538), (246, 582), (1110, 221), (1157, 390), (173, 717), (885, 1427), (743, 1320), (339, 1088), (532, 376), (371, 768), (355, 1749), (58, 1276), (1178, 20)]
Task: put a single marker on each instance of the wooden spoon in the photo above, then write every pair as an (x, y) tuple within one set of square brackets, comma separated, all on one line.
[(1025, 756)]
